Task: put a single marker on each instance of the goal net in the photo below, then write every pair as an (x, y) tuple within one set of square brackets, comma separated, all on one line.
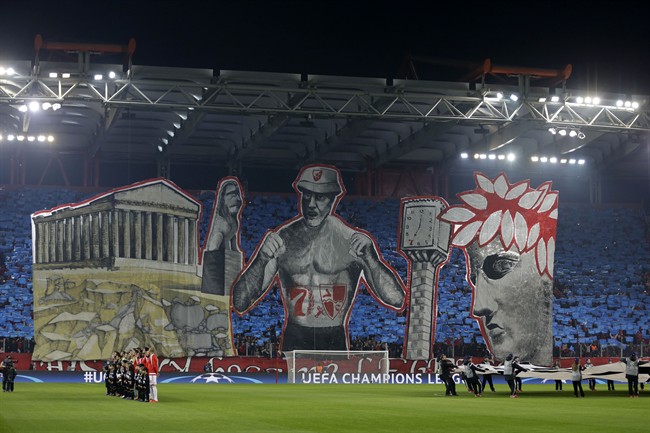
[(337, 366)]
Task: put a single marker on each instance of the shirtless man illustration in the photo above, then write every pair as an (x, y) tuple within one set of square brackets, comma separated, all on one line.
[(319, 261)]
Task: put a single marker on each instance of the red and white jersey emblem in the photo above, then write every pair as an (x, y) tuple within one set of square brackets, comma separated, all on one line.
[(333, 298)]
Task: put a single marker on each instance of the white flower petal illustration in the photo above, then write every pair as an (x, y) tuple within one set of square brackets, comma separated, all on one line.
[(521, 231), (501, 186), (507, 229), (490, 228), (541, 256), (532, 236), (548, 202), (466, 234), (477, 201), (517, 191), (550, 255), (528, 200), (457, 214), (553, 214), (484, 183)]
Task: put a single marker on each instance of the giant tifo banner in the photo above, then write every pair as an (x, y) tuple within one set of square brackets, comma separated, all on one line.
[(128, 268)]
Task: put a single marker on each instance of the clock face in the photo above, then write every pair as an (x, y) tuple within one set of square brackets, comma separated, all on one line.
[(418, 225)]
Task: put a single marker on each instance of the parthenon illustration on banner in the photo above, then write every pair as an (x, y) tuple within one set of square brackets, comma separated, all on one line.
[(120, 270)]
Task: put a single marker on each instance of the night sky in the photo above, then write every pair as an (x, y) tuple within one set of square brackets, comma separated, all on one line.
[(608, 45)]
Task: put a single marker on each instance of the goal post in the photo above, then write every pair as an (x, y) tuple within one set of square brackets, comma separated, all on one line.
[(337, 366)]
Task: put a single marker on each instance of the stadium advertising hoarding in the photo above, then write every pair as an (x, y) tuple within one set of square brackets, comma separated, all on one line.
[(221, 378)]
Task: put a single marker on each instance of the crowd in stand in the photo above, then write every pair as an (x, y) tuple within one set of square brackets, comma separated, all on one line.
[(16, 344)]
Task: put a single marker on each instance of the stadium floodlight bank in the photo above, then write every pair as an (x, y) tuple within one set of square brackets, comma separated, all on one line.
[(337, 366)]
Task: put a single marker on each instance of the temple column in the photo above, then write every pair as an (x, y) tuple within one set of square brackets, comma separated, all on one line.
[(148, 236), (137, 234), (105, 239), (69, 239), (159, 237)]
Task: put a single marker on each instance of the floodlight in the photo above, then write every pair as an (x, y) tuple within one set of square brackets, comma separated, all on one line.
[(581, 135), (552, 160), (514, 97), (627, 104), (619, 103), (98, 77), (543, 159), (41, 138), (572, 161), (464, 155), (11, 137), (581, 161), (552, 130), (164, 140), (562, 132), (46, 106), (492, 156), (534, 158), (573, 133), (65, 75), (563, 161), (31, 138), (542, 99), (20, 138), (501, 157), (588, 100), (50, 138), (34, 106), (635, 105), (56, 106), (579, 99), (111, 75), (511, 157), (499, 95), (482, 156), (23, 108), (160, 148), (596, 100), (53, 75), (476, 156), (555, 99)]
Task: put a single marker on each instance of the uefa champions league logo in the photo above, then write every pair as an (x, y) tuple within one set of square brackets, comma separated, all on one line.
[(212, 378)]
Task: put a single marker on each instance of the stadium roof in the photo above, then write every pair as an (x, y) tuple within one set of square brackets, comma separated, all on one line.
[(239, 119)]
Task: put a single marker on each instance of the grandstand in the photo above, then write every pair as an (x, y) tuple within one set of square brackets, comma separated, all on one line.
[(601, 277), (389, 137)]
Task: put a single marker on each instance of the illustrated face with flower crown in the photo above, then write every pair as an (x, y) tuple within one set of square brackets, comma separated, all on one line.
[(507, 232)]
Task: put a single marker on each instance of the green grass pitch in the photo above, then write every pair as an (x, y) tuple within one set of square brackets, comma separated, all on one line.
[(70, 408)]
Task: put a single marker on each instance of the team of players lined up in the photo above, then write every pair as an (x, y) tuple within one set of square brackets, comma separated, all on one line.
[(133, 375)]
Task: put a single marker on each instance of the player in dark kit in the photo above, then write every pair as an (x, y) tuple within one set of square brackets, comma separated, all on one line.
[(111, 380), (127, 380), (142, 383)]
